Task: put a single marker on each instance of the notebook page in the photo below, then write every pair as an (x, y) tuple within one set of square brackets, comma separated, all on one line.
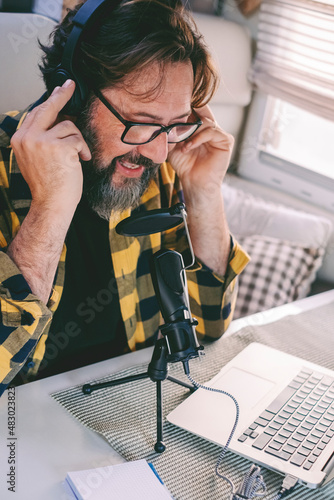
[(119, 482)]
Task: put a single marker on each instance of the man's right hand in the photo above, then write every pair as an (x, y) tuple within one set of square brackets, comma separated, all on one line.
[(48, 151)]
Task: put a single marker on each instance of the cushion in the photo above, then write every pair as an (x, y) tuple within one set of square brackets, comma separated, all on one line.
[(280, 271), (248, 214)]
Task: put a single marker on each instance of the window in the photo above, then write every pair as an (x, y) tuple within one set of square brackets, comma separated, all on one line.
[(286, 145), (298, 137), (290, 149)]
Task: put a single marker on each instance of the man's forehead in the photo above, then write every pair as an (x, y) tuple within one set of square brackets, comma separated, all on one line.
[(154, 80)]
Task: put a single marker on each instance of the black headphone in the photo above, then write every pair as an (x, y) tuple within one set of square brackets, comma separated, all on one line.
[(88, 13)]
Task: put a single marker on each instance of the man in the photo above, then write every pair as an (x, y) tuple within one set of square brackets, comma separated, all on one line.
[(73, 290)]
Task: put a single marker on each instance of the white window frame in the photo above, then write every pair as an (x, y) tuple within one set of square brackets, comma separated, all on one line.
[(257, 165)]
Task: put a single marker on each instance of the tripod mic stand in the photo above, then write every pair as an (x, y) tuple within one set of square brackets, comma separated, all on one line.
[(158, 372), (179, 341)]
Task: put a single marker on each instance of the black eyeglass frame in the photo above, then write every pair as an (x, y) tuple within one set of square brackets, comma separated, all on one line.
[(129, 124)]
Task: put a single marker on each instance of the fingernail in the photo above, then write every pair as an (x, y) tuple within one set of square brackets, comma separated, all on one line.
[(68, 83)]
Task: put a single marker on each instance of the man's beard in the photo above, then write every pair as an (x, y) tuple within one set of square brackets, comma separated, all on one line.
[(103, 196)]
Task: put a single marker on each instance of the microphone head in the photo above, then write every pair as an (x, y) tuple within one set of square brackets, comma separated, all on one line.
[(152, 221)]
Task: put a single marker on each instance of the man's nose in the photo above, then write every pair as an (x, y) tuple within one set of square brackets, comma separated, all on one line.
[(156, 150)]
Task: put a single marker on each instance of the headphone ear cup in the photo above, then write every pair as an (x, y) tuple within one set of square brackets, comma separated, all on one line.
[(79, 97)]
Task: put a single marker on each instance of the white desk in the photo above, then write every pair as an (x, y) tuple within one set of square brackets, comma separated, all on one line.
[(50, 442)]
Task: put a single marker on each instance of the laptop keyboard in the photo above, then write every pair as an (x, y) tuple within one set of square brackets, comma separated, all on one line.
[(299, 423)]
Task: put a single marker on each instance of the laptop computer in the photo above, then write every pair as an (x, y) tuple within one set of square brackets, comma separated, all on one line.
[(286, 420)]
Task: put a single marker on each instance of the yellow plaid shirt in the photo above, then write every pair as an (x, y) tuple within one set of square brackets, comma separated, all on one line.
[(25, 320)]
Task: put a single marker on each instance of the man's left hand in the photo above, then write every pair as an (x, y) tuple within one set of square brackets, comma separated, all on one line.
[(201, 162)]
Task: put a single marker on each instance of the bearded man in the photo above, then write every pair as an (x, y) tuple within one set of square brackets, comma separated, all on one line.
[(73, 291)]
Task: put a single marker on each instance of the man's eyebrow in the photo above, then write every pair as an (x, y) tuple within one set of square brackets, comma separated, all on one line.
[(157, 118)]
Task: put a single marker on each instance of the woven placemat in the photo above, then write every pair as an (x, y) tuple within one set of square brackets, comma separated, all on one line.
[(125, 415)]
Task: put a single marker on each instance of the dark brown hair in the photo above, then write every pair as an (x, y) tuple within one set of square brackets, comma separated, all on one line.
[(129, 38)]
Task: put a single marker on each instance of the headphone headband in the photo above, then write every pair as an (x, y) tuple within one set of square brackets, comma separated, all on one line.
[(86, 16)]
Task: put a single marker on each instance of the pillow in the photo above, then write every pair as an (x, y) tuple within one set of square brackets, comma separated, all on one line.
[(280, 271), (248, 214)]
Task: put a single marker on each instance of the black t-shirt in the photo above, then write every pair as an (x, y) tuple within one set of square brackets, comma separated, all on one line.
[(87, 326)]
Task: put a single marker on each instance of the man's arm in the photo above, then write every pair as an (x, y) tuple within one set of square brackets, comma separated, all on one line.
[(48, 153), (208, 229), (201, 163), (36, 250)]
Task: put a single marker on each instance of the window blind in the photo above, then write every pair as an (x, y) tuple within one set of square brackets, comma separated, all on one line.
[(295, 53)]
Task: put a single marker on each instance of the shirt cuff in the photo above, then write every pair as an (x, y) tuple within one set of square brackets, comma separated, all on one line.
[(16, 295), (237, 261), (13, 284)]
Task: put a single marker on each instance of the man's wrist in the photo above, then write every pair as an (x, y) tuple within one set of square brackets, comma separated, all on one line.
[(203, 196), (58, 215), (36, 250)]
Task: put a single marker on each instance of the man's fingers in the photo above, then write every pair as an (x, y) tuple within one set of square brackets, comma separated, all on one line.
[(85, 153), (210, 135), (64, 129), (76, 144), (45, 115), (29, 118), (68, 131)]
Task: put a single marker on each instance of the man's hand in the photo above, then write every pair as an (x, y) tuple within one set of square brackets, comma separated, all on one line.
[(201, 162), (48, 152)]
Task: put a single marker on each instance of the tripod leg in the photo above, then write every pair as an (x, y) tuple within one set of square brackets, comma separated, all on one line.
[(159, 445), (89, 388), (180, 382)]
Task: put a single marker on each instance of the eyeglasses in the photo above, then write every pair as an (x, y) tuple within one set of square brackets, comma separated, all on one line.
[(141, 133)]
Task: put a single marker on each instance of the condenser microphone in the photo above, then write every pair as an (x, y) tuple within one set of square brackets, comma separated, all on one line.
[(170, 286), (169, 281)]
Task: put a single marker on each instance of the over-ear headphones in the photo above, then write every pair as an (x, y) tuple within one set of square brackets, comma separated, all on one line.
[(86, 16)]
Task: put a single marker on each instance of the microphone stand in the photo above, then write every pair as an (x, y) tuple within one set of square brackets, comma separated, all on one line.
[(179, 341), (158, 372)]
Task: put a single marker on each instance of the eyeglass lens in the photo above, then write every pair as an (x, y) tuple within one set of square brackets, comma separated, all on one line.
[(139, 134)]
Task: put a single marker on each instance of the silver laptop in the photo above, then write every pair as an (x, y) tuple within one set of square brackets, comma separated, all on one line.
[(286, 418)]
